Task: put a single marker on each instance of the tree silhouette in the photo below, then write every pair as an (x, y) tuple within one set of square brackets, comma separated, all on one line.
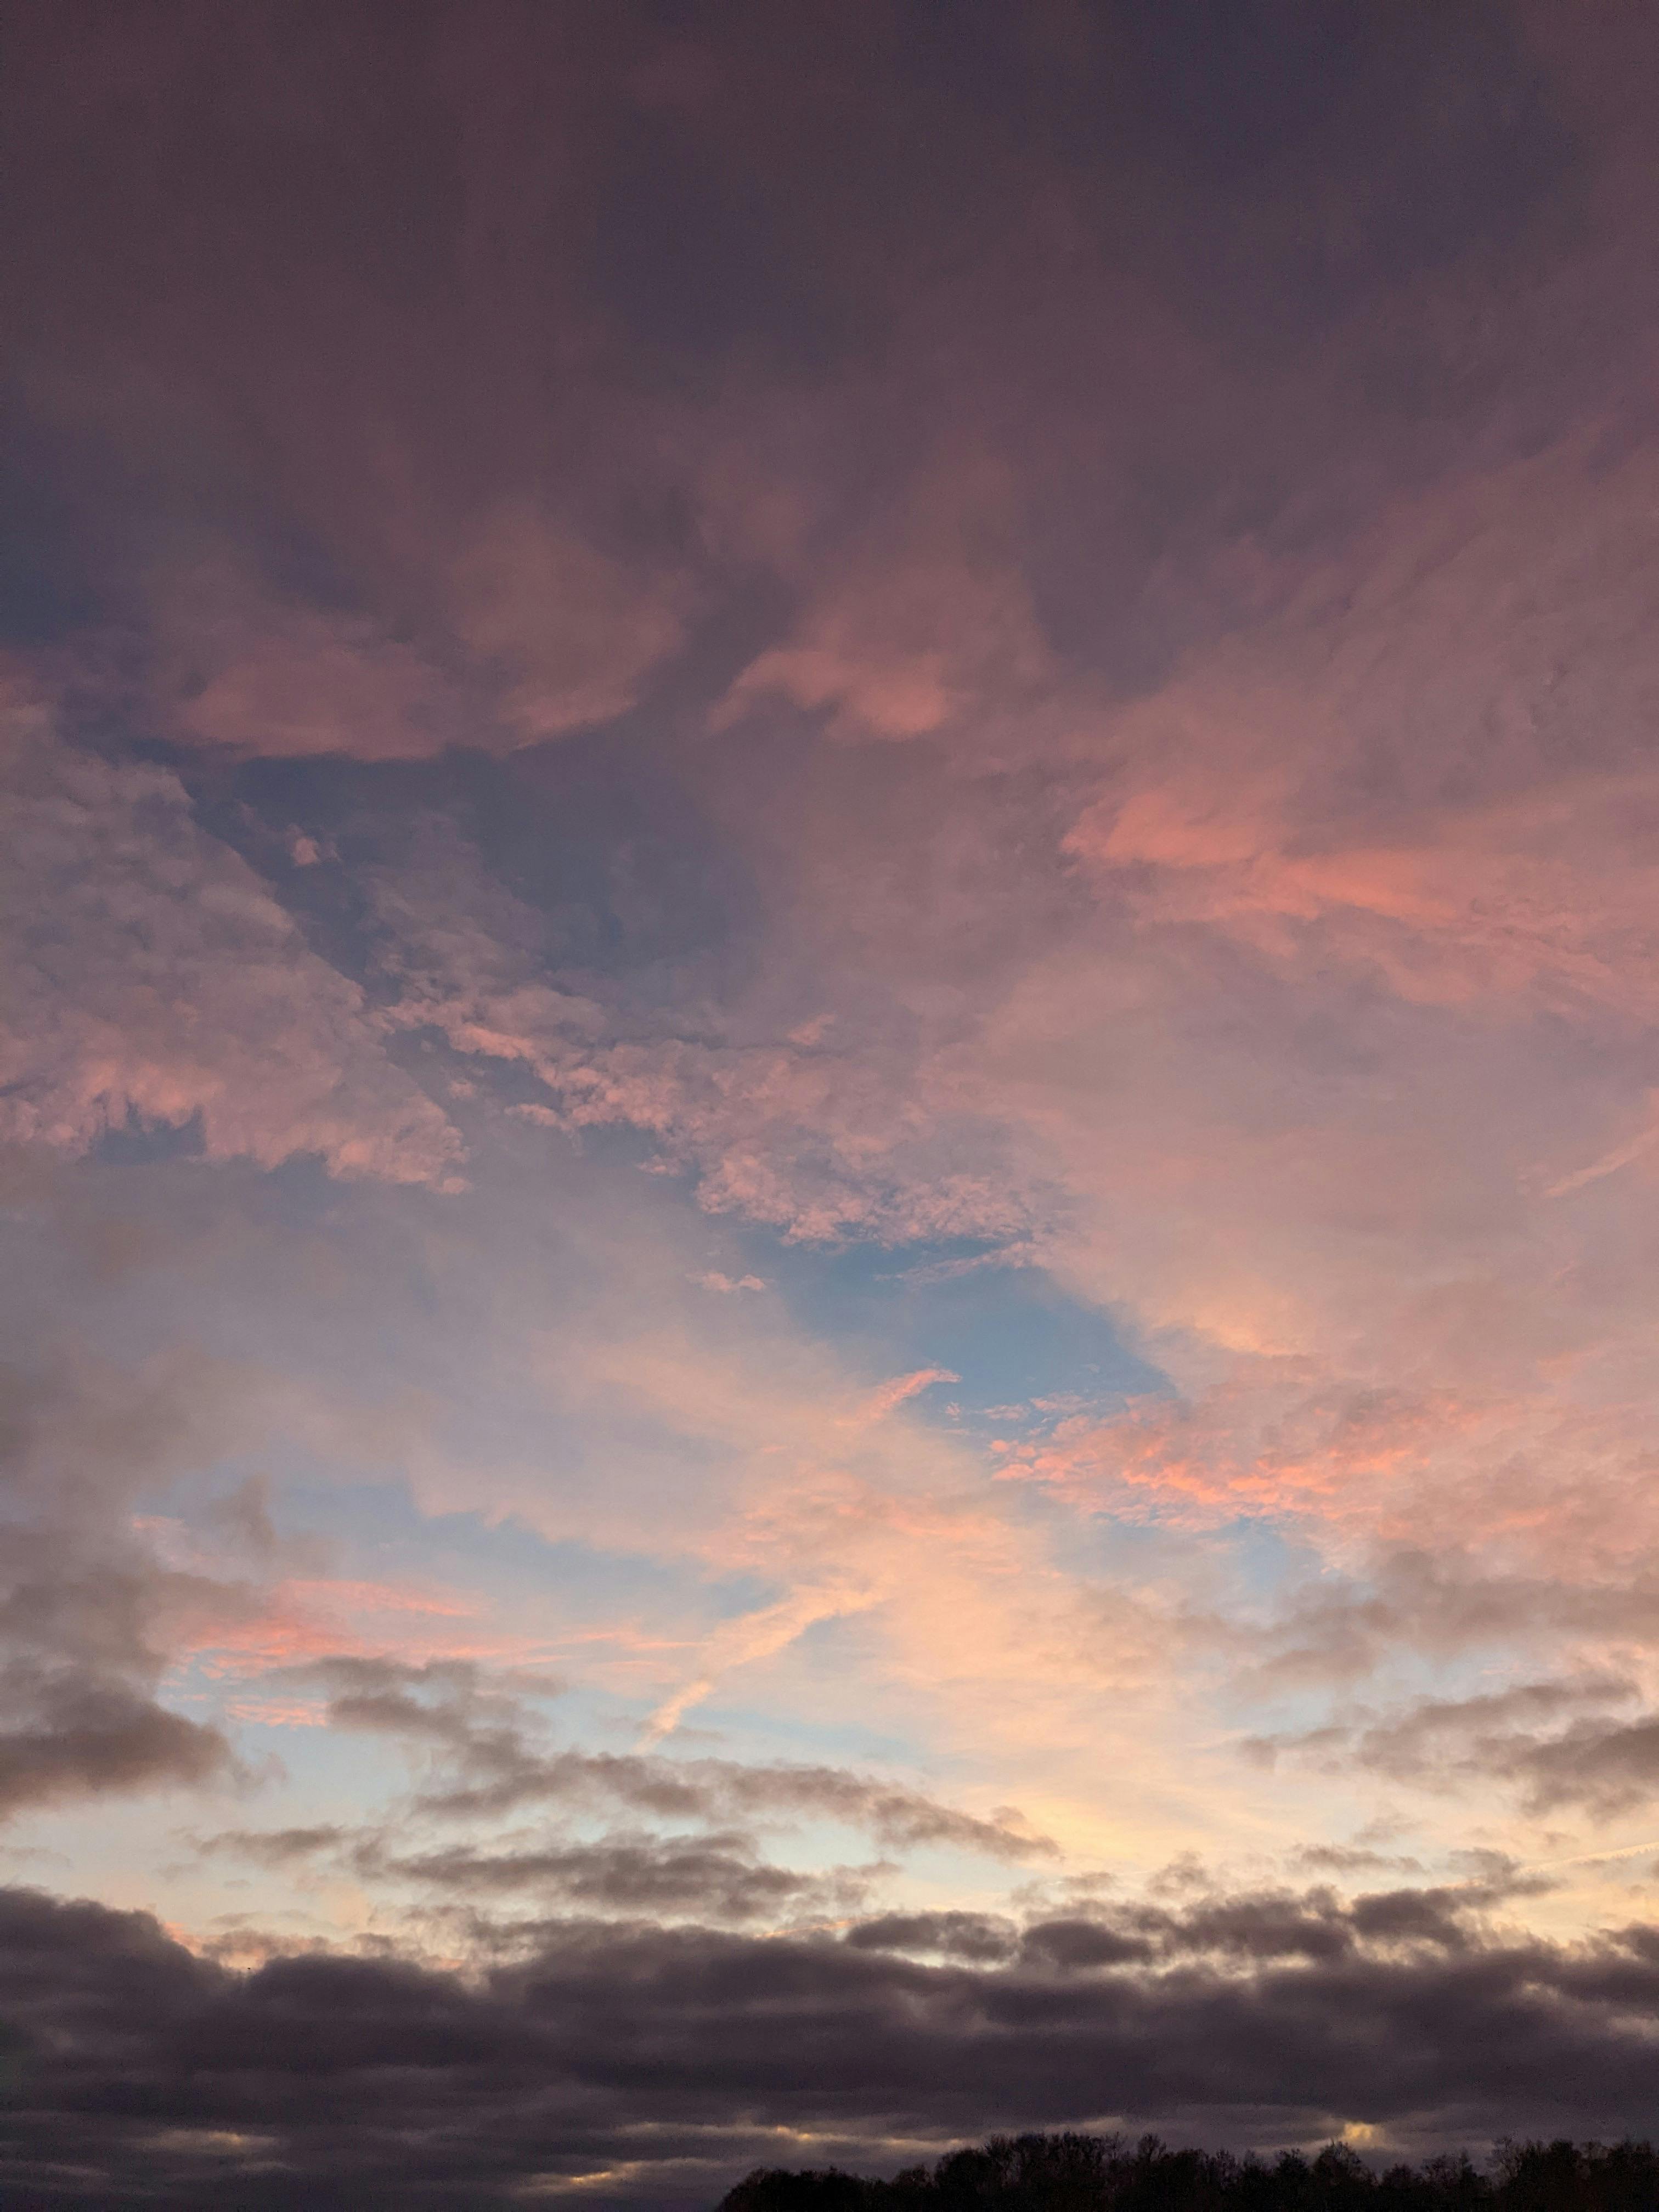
[(1074, 2173)]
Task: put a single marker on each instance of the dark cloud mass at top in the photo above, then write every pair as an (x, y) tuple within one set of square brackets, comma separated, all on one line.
[(829, 1104)]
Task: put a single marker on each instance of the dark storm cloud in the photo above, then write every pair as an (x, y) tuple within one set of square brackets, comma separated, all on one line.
[(655, 2062), (490, 1764)]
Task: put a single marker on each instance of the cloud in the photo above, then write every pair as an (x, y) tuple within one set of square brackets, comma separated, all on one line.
[(489, 1761), (154, 979), (326, 2079), (1229, 812), (236, 666), (1608, 1769), (982, 1938), (1450, 1743), (888, 1395), (758, 1635), (1216, 539), (71, 1737), (89, 1614), (1274, 1436), (928, 626), (1336, 1630), (297, 1618), (715, 1877), (272, 1847), (831, 1129), (574, 629), (546, 634), (821, 1143)]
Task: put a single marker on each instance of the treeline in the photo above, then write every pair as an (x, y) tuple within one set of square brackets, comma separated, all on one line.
[(1101, 2173)]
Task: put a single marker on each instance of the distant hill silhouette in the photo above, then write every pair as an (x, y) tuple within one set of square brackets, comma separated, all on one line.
[(1101, 2173)]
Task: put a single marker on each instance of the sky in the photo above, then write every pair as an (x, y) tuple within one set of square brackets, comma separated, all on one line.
[(828, 1095)]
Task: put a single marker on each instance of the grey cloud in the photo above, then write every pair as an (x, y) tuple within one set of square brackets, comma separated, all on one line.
[(1315, 1925), (487, 1762), (89, 1613), (1608, 1769), (716, 1877), (69, 1734), (1338, 1631), (897, 1817), (1350, 1858), (1312, 1924), (273, 1847), (1445, 1743), (982, 1938), (1265, 1926), (446, 1704), (1079, 1945), (1418, 1916), (662, 2058)]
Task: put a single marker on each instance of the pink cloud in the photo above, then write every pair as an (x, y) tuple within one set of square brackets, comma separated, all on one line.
[(888, 1396), (572, 630), (237, 666), (928, 624), (154, 974), (302, 1618), (1480, 648), (821, 1136), (545, 634)]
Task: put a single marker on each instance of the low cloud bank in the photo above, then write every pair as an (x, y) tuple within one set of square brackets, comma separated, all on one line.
[(641, 2065)]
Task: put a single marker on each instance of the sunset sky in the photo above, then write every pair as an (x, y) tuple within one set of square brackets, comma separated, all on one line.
[(829, 1086)]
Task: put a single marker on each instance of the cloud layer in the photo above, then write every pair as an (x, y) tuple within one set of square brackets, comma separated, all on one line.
[(827, 1074), (656, 2066)]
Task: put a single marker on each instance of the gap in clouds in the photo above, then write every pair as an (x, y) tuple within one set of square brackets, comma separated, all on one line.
[(1018, 1343)]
